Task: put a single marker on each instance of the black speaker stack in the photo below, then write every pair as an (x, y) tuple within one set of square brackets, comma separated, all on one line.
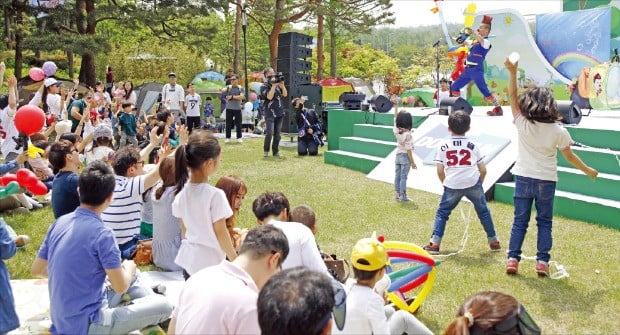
[(293, 61), (451, 104)]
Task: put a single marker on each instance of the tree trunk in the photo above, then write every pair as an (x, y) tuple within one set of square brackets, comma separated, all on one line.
[(320, 33), (236, 38), (19, 38), (7, 26), (71, 64), (332, 47), (86, 26), (273, 43)]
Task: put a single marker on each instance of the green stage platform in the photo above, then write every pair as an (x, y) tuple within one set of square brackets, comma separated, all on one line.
[(361, 140)]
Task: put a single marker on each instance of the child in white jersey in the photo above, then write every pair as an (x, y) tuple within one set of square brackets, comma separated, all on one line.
[(366, 309), (461, 170), (535, 114), (403, 122), (201, 208)]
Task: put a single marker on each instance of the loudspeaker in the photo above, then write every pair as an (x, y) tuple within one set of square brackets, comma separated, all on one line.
[(293, 65), (313, 91), (294, 38), (571, 113), (296, 79), (293, 51), (381, 104), (579, 101), (451, 104), (351, 101)]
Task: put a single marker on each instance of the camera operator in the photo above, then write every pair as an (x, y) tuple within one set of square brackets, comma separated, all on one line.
[(273, 91), (309, 128)]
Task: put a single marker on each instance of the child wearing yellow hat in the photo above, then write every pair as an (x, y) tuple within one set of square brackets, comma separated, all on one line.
[(366, 309)]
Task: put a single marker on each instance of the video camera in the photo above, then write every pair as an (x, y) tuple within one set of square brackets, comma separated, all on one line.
[(276, 78)]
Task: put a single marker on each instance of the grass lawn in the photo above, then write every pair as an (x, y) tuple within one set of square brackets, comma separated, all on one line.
[(350, 206)]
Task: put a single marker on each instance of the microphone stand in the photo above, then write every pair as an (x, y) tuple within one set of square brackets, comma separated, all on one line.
[(436, 46)]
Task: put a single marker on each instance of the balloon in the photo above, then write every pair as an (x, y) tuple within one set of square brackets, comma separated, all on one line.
[(422, 273), (26, 178), (410, 100), (49, 68), (253, 97), (29, 119), (38, 188), (7, 178), (11, 188), (36, 74)]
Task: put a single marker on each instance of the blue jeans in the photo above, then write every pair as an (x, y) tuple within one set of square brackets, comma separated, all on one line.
[(145, 309), (401, 172), (451, 198), (541, 193)]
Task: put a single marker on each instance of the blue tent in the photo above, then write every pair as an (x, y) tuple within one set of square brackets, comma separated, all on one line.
[(210, 76)]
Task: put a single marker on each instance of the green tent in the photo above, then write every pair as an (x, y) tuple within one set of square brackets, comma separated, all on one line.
[(421, 93)]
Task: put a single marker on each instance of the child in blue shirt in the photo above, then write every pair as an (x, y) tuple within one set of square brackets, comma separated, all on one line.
[(209, 111)]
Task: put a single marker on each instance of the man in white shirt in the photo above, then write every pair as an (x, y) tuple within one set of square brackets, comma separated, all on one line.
[(272, 208), (173, 96), (192, 108), (222, 299)]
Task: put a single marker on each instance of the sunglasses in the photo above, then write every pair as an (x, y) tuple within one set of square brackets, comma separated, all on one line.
[(522, 321)]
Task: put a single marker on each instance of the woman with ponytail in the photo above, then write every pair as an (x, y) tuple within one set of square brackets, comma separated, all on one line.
[(202, 209), (492, 313), (166, 229)]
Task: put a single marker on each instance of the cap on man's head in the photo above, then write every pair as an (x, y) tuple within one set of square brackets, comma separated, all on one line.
[(102, 131), (51, 82), (369, 255), (172, 75)]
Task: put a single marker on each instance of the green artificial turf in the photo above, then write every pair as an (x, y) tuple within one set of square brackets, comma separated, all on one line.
[(350, 206)]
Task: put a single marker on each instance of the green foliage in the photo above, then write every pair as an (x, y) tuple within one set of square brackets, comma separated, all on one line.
[(367, 63)]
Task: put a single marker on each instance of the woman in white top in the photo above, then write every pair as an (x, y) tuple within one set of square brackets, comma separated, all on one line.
[(48, 99), (201, 208), (102, 145), (130, 95)]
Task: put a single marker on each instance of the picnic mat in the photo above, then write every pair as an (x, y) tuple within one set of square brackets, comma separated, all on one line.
[(32, 299)]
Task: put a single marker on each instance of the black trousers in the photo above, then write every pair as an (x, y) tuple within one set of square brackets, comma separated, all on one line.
[(233, 115), (193, 122), (272, 130), (307, 147)]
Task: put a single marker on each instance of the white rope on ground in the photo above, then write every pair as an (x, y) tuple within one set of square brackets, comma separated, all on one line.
[(560, 272), (467, 221)]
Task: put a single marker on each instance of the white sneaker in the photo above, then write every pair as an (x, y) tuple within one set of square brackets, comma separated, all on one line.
[(266, 154), (227, 140), (239, 140)]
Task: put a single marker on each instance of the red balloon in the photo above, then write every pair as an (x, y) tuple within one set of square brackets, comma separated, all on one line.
[(26, 178), (38, 189), (7, 178), (29, 119)]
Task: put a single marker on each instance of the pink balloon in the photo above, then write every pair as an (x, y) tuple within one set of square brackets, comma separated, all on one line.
[(253, 96), (49, 68), (36, 74), (410, 100)]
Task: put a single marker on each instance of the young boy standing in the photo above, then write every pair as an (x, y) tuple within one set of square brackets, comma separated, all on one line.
[(442, 93), (366, 310), (461, 170), (209, 111), (129, 128), (192, 108), (474, 66)]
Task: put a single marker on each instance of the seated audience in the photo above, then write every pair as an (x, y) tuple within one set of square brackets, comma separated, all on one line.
[(166, 229), (78, 254), (272, 208), (222, 299), (300, 301), (367, 312), (492, 313), (66, 162), (235, 191)]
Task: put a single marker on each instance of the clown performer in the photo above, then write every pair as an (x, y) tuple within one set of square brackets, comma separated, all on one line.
[(474, 66)]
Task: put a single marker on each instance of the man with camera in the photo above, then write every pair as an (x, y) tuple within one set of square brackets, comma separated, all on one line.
[(273, 91), (309, 128)]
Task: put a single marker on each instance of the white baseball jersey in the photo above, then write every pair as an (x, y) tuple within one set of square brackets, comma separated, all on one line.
[(192, 104), (460, 158)]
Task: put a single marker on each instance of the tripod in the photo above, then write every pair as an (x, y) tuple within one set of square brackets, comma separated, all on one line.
[(436, 46)]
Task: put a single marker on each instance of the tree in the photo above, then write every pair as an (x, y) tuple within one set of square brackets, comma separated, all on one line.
[(367, 63)]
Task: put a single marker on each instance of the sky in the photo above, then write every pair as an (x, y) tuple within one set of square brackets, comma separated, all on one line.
[(418, 12)]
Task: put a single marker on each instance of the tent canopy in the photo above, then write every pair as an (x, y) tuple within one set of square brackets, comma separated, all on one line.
[(361, 86), (147, 95), (333, 88), (209, 76), (334, 82), (422, 93)]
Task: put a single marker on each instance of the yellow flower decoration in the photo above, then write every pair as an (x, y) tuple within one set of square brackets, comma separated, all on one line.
[(508, 20)]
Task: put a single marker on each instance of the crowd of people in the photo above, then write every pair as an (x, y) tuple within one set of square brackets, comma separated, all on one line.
[(116, 182)]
